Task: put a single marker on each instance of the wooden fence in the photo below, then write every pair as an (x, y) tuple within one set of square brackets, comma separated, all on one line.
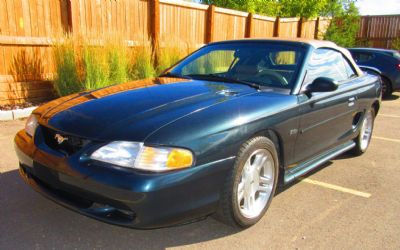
[(27, 28), (379, 31)]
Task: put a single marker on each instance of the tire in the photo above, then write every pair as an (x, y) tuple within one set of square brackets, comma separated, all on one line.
[(386, 88), (364, 137), (250, 185)]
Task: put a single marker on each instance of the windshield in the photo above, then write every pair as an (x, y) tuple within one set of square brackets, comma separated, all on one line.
[(262, 63)]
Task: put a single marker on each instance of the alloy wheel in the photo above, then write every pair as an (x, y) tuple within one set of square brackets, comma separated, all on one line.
[(366, 131), (256, 183)]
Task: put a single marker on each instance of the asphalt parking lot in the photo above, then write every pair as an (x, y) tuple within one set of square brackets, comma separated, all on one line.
[(350, 203)]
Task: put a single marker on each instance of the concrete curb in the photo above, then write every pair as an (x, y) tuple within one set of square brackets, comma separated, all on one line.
[(8, 115)]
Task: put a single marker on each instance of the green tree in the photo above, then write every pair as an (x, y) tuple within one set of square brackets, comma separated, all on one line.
[(302, 8), (344, 26), (286, 8), (266, 7)]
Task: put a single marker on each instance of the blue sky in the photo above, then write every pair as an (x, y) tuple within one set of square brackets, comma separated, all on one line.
[(378, 7)]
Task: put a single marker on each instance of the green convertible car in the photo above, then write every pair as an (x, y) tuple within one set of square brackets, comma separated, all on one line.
[(213, 135)]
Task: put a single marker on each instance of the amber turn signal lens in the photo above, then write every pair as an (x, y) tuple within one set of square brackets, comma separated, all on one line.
[(179, 158)]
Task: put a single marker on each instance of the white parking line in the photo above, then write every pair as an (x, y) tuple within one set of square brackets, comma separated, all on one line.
[(392, 116), (337, 188), (386, 139)]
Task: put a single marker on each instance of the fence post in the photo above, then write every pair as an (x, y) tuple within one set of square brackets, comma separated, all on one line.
[(210, 24), (316, 30), (300, 26), (154, 26), (249, 26), (69, 15), (277, 25)]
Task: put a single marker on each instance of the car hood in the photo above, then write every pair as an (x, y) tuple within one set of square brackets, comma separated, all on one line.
[(135, 108)]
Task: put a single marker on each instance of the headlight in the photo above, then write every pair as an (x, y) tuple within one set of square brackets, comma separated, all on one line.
[(136, 155), (31, 125)]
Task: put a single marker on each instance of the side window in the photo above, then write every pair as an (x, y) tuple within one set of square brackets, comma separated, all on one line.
[(327, 63), (283, 57), (361, 57), (214, 62), (350, 71)]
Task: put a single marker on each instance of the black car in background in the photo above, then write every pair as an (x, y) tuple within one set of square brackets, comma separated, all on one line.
[(386, 61)]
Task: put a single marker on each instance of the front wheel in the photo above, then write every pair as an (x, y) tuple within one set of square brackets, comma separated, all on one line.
[(364, 137), (251, 184)]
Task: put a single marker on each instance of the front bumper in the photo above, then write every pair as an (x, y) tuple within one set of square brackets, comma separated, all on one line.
[(119, 196)]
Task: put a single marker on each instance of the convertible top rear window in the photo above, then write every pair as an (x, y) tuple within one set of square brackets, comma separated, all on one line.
[(265, 64)]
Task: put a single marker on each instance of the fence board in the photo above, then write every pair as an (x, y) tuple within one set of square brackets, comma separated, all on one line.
[(2, 61), (20, 86), (263, 27), (182, 23), (26, 93), (379, 31), (40, 99), (229, 25), (288, 27), (3, 18), (308, 30)]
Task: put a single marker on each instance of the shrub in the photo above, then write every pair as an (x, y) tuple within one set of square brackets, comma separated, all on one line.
[(344, 27), (96, 68), (142, 62), (93, 62), (396, 44), (67, 80), (118, 63), (87, 64), (170, 53)]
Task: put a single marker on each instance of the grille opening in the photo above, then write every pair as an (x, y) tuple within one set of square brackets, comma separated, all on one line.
[(70, 145)]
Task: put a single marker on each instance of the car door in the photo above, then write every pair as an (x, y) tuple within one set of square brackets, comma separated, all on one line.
[(326, 118)]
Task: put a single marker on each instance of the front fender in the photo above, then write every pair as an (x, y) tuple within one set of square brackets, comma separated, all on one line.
[(218, 132)]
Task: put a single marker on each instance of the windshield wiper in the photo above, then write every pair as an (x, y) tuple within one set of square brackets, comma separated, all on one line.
[(169, 74), (216, 77)]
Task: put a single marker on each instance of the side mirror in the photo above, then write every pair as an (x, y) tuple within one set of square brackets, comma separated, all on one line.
[(322, 84)]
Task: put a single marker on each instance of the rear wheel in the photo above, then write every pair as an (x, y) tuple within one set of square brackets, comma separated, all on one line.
[(249, 188), (364, 137), (386, 88)]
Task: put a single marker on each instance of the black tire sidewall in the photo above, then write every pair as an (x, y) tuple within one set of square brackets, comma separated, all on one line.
[(255, 143), (386, 82)]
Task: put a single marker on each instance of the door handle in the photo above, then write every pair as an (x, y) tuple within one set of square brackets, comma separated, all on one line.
[(351, 101)]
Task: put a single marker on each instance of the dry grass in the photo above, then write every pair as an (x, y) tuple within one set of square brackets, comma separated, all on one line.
[(142, 61), (170, 52), (94, 61), (86, 63)]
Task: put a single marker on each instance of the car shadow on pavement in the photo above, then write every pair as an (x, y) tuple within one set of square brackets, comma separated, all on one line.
[(391, 98), (27, 220)]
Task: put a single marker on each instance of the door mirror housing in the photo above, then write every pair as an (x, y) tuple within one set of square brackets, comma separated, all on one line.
[(322, 84)]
